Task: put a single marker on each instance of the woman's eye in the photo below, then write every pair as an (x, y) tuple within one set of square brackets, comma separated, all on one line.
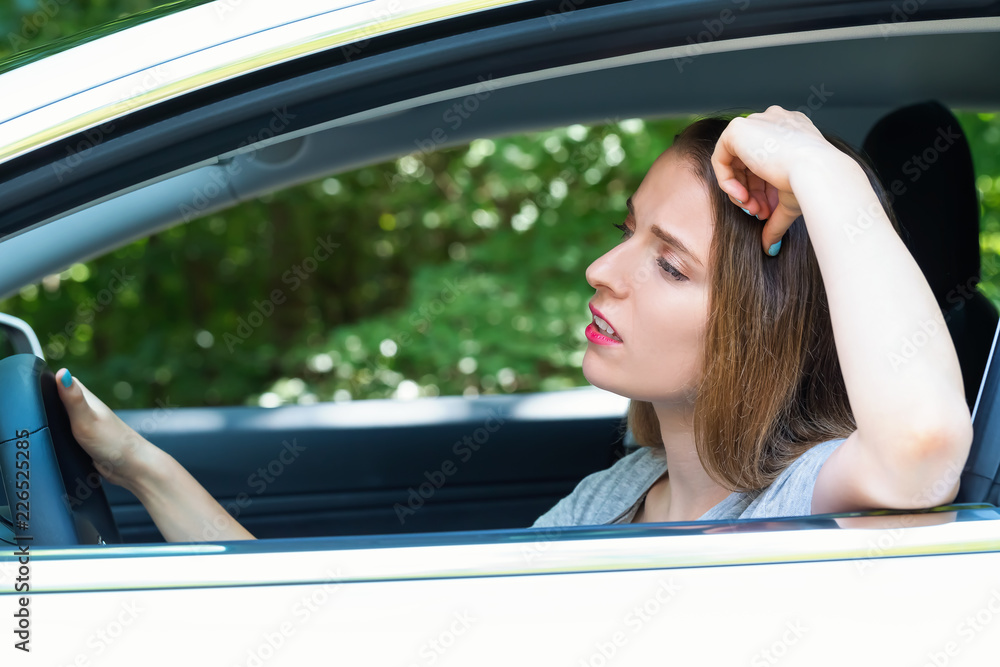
[(669, 268), (664, 264)]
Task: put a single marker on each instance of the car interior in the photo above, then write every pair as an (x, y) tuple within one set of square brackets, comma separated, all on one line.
[(366, 457)]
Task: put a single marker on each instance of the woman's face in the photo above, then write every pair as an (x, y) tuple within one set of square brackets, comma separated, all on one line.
[(652, 293)]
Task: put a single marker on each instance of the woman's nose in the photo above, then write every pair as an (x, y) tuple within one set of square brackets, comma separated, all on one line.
[(605, 271)]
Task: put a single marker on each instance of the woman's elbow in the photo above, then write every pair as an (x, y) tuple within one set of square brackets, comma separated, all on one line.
[(938, 455)]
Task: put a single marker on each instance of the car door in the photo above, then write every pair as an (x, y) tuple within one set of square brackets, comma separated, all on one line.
[(817, 591)]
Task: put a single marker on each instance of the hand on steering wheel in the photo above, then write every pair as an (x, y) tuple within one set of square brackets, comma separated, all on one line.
[(111, 443)]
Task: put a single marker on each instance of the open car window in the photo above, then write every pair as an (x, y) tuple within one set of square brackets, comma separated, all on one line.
[(456, 272)]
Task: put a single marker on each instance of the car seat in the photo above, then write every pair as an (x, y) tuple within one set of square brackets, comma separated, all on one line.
[(923, 159)]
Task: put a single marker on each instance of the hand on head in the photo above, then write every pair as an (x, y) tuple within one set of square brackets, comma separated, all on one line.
[(756, 159)]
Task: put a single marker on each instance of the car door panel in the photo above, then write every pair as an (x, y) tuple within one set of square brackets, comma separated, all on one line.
[(384, 466)]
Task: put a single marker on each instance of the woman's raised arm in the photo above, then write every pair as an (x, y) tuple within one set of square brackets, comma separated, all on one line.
[(899, 364)]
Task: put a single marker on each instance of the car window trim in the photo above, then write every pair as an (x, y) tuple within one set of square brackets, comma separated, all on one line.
[(533, 551)]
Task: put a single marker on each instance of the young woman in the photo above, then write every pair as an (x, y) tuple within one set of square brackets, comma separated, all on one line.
[(761, 312)]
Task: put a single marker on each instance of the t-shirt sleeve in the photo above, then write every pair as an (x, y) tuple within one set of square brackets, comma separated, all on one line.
[(791, 493), (584, 500), (601, 496)]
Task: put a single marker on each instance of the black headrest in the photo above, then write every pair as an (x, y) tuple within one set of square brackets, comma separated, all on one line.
[(923, 159)]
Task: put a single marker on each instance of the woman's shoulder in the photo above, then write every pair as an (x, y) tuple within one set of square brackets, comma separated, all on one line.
[(603, 495)]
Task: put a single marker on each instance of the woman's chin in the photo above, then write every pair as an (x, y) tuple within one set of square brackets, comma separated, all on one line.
[(599, 377), (589, 372), (616, 381)]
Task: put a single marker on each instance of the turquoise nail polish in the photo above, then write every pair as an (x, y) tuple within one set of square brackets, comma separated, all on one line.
[(740, 201), (773, 250), (67, 380), (744, 210)]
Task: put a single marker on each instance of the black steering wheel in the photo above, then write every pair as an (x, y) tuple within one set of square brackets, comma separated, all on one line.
[(53, 490)]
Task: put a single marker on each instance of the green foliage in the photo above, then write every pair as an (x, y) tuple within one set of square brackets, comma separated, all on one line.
[(983, 131)]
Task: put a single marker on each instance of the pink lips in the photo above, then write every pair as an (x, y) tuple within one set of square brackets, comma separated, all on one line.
[(594, 334)]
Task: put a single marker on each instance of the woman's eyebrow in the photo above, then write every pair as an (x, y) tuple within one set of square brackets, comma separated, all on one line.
[(665, 236)]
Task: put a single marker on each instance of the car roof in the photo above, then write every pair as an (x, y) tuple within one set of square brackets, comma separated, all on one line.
[(91, 83)]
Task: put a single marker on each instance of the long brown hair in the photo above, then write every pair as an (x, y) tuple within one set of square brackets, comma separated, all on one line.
[(771, 383)]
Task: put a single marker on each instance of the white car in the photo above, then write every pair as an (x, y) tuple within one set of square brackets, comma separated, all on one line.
[(155, 123)]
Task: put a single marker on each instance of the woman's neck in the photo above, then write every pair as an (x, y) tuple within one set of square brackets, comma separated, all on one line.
[(687, 491)]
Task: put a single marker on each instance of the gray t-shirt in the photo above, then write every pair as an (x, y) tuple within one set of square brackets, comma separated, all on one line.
[(614, 495)]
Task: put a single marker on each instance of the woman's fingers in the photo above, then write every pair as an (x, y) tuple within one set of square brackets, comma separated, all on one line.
[(110, 442), (758, 196), (728, 171), (81, 415), (751, 162), (776, 226), (92, 421), (773, 195), (737, 191), (745, 188)]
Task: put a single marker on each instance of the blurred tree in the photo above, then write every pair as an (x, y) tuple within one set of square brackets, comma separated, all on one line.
[(983, 131)]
